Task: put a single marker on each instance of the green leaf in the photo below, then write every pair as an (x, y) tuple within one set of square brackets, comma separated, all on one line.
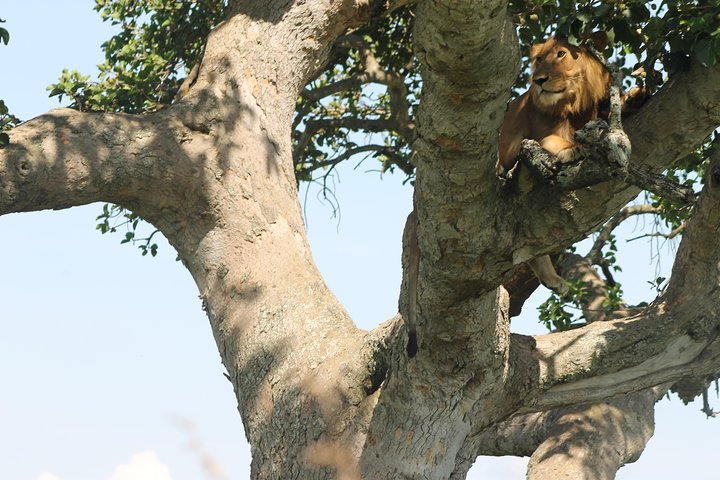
[(705, 52), (55, 91), (602, 10)]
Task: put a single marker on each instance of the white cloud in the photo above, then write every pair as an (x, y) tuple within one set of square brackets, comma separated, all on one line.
[(48, 476), (142, 466)]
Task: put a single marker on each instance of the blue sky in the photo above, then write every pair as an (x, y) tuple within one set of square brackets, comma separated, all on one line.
[(107, 363)]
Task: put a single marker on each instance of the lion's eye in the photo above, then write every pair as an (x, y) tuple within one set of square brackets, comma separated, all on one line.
[(561, 54)]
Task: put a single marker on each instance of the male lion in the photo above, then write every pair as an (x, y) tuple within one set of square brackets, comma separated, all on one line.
[(568, 87)]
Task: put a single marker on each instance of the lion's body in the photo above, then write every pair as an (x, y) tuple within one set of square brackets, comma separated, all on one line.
[(569, 86)]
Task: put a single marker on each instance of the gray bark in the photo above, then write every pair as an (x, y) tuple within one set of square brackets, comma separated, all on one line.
[(320, 398)]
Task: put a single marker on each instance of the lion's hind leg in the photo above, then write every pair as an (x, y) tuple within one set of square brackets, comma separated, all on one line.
[(544, 270)]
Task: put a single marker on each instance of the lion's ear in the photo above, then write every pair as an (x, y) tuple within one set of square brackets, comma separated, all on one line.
[(599, 40), (535, 50)]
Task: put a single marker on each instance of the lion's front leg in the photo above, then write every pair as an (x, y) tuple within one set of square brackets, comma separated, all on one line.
[(565, 151)]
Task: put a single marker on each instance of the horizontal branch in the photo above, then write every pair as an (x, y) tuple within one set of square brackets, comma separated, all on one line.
[(377, 150), (675, 338), (313, 127), (66, 158), (660, 185), (606, 157), (592, 364), (521, 435)]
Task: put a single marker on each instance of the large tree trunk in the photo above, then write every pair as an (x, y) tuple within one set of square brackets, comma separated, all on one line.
[(319, 397)]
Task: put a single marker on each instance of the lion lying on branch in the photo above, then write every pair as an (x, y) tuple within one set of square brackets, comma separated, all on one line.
[(565, 111)]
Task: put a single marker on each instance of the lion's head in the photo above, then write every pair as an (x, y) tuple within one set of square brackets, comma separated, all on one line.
[(566, 79)]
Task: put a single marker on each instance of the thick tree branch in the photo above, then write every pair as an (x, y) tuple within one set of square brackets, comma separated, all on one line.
[(668, 341), (696, 272), (66, 158), (595, 441), (458, 121), (597, 380), (660, 185), (670, 124), (624, 423)]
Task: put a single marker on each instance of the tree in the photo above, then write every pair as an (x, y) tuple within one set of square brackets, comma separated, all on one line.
[(216, 172)]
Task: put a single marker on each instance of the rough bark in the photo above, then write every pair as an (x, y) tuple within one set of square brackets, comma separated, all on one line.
[(320, 398), (586, 441)]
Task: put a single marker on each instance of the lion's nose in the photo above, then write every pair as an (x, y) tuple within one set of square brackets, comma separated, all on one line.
[(540, 79)]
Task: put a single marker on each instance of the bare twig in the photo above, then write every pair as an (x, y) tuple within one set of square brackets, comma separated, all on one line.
[(373, 72), (595, 253), (312, 127), (667, 236), (378, 149)]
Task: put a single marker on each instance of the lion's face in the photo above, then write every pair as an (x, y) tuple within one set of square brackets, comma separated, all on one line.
[(566, 79)]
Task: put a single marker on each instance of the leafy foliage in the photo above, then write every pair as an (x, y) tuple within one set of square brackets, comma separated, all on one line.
[(660, 38), (563, 312), (7, 120), (114, 218), (690, 171), (371, 86), (554, 314), (145, 63), (4, 34)]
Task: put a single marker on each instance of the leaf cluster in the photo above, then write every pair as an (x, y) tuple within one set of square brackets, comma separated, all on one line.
[(114, 218), (7, 120), (368, 94), (689, 170), (654, 39), (145, 62), (4, 34)]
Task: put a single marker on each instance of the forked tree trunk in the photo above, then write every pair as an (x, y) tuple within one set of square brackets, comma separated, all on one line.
[(320, 398)]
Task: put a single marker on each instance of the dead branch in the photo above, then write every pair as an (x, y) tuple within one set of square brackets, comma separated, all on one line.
[(595, 253)]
